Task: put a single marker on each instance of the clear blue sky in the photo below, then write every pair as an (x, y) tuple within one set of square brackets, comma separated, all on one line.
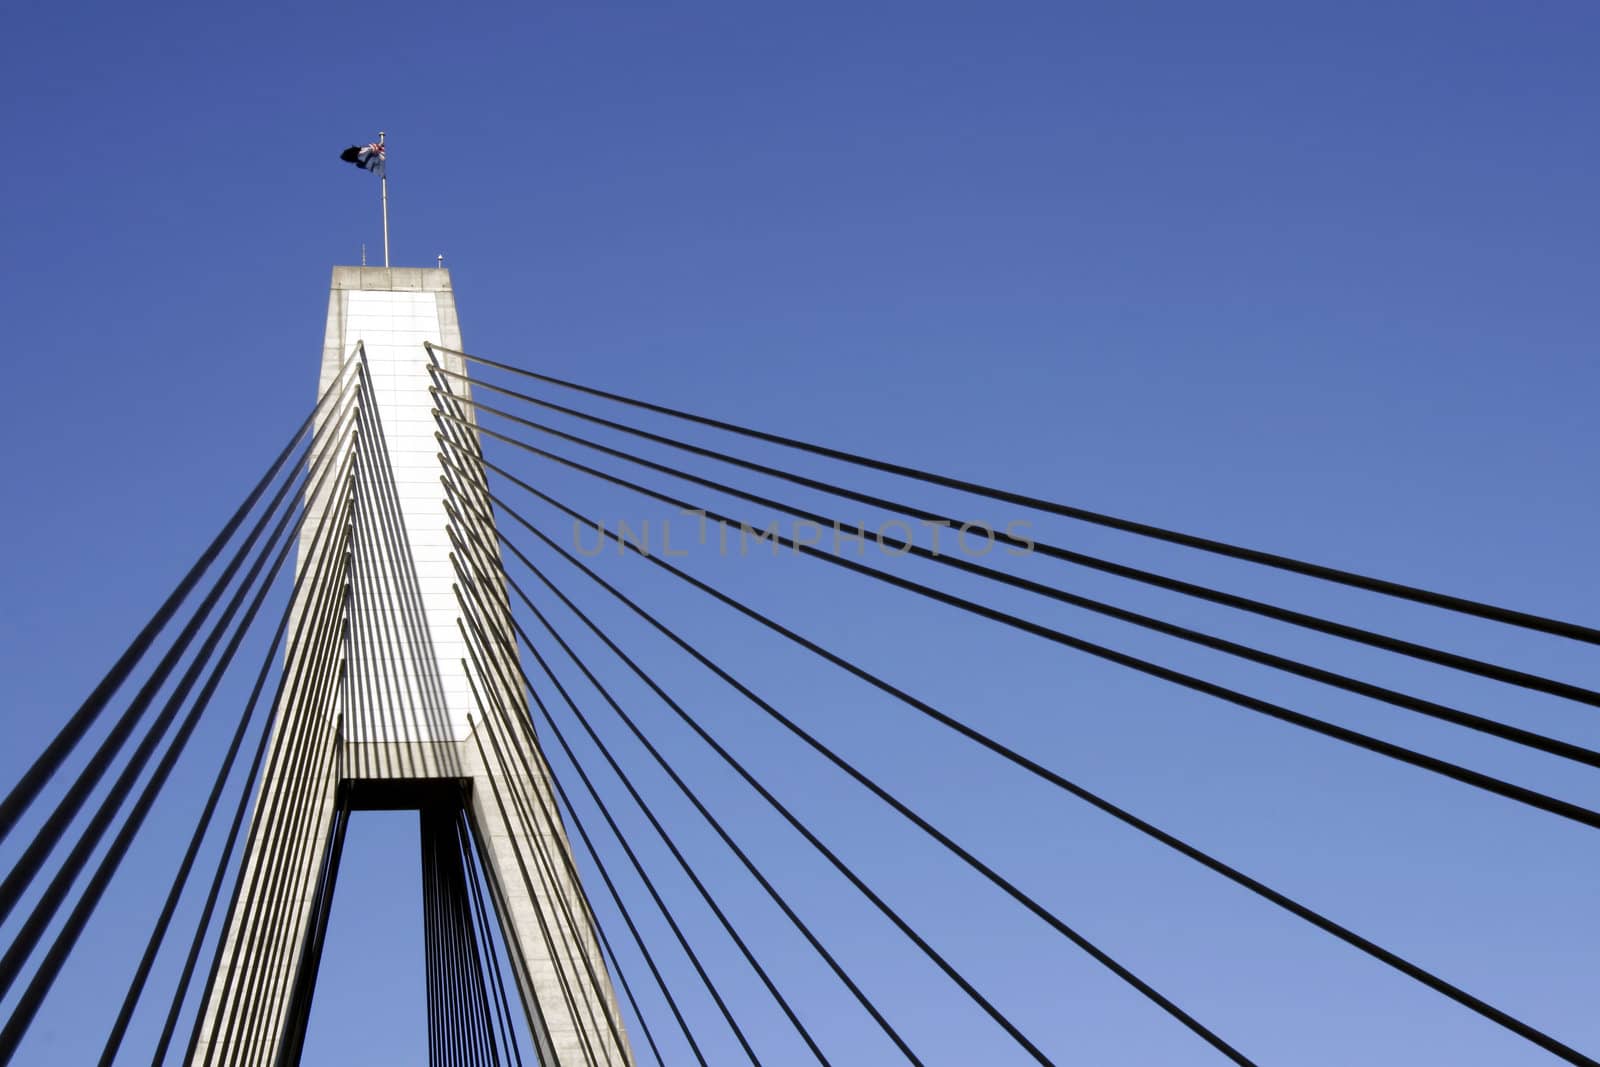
[(1314, 278)]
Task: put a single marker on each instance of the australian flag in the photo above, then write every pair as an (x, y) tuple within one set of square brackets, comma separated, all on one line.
[(367, 157)]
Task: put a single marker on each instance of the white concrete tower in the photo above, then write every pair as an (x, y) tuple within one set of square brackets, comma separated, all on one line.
[(402, 691)]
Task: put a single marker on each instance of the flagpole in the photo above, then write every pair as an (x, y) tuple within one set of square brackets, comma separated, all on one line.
[(384, 181)]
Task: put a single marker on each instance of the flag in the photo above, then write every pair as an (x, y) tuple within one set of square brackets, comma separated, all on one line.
[(367, 157)]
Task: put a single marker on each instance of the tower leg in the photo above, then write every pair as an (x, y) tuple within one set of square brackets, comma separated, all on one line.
[(284, 883), (543, 914)]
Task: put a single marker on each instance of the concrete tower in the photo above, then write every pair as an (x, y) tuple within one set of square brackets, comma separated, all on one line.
[(402, 691)]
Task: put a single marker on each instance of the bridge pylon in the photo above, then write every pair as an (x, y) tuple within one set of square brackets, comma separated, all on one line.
[(403, 692)]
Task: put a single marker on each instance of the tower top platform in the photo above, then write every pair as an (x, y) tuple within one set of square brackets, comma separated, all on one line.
[(392, 279)]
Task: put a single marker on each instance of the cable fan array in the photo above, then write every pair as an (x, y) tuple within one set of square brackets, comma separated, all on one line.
[(172, 729), (510, 421), (173, 735)]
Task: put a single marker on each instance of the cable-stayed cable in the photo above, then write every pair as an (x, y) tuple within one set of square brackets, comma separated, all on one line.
[(1384, 694), (901, 808), (55, 893), (66, 938), (1400, 753), (326, 615), (282, 837), (555, 936), (526, 755), (667, 839), (504, 724), (1399, 590), (616, 898), (829, 754), (776, 897), (46, 763), (169, 906), (1303, 620), (318, 632), (484, 933), (1043, 773), (49, 834), (644, 877), (272, 975)]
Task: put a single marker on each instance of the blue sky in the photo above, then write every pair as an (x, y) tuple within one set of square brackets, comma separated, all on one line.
[(1309, 278)]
